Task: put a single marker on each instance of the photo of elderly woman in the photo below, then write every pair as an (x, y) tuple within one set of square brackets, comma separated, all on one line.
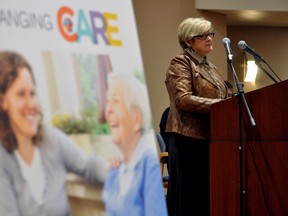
[(135, 188)]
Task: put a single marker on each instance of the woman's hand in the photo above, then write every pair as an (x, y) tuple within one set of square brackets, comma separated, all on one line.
[(115, 161)]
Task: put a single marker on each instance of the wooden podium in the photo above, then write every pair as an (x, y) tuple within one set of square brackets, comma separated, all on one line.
[(265, 154)]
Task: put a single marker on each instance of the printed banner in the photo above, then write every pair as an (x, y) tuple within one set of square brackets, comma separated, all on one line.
[(72, 48)]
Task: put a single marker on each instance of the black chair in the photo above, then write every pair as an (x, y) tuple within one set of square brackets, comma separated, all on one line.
[(163, 159), (162, 125), (161, 142)]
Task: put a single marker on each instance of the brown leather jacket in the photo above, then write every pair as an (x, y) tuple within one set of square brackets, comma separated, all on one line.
[(193, 84)]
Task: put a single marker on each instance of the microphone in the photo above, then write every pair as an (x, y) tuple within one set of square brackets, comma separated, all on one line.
[(226, 42), (242, 45)]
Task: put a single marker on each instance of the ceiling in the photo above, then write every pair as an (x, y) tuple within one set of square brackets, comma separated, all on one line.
[(255, 18)]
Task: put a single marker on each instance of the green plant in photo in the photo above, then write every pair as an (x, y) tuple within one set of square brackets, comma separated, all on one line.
[(87, 123)]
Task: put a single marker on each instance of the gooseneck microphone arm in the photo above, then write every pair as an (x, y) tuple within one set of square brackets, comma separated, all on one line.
[(258, 63), (258, 59)]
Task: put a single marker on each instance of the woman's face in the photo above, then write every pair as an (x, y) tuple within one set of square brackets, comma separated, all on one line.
[(21, 104), (202, 44), (122, 121)]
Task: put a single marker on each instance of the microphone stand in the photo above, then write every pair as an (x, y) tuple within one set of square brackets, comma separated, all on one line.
[(241, 98), (257, 61)]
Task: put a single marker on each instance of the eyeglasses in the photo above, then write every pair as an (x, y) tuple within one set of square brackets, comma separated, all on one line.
[(204, 36)]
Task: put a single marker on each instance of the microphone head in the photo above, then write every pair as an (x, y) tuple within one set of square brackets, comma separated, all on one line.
[(242, 44), (226, 40)]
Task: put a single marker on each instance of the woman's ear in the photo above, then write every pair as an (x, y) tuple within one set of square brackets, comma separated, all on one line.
[(188, 43), (137, 118)]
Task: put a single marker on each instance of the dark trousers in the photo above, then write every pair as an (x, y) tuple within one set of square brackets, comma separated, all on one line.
[(188, 189)]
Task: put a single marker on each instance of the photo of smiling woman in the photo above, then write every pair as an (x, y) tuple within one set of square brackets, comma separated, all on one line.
[(135, 188), (35, 158)]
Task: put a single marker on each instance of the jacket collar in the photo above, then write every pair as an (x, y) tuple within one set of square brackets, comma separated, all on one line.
[(195, 55)]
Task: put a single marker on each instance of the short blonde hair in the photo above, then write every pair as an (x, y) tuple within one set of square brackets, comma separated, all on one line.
[(191, 27)]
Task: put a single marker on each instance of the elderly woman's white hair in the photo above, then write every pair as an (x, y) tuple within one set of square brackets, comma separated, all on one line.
[(190, 27), (135, 96)]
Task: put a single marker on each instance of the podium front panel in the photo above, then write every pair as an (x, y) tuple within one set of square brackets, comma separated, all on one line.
[(265, 154)]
